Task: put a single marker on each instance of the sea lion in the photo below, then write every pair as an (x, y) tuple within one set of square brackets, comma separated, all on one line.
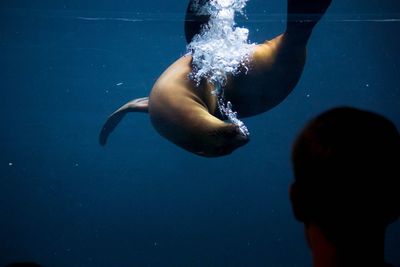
[(187, 114)]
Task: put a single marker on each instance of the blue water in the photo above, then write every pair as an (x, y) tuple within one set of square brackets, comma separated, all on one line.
[(141, 201)]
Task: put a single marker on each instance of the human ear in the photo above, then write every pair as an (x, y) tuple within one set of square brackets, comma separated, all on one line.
[(297, 200)]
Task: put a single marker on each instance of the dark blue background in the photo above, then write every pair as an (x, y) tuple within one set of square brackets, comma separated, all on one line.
[(141, 201)]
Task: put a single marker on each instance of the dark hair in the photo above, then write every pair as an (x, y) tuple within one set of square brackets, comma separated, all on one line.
[(346, 165)]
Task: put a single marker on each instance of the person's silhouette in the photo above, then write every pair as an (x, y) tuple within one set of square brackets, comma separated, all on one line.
[(346, 165)]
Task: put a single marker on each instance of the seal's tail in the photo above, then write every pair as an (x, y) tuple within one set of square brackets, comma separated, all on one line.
[(136, 105)]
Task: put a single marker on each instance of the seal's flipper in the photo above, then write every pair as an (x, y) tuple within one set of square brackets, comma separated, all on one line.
[(194, 21), (136, 105), (305, 13)]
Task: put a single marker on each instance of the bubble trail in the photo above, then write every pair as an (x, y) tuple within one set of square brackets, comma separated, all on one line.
[(220, 49)]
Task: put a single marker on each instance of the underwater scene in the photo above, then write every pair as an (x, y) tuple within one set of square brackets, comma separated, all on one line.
[(86, 181)]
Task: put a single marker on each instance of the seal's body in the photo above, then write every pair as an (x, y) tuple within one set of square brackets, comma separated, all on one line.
[(187, 114)]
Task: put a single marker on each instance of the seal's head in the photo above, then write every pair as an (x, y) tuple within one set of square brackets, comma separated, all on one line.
[(221, 142), (193, 20)]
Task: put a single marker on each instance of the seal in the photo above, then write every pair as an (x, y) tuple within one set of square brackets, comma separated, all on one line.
[(183, 113), (187, 114)]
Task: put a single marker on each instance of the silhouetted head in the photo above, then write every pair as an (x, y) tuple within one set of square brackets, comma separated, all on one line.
[(347, 166), (194, 21)]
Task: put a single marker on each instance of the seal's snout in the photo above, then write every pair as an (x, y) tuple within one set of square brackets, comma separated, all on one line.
[(229, 139), (238, 140), (231, 146)]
